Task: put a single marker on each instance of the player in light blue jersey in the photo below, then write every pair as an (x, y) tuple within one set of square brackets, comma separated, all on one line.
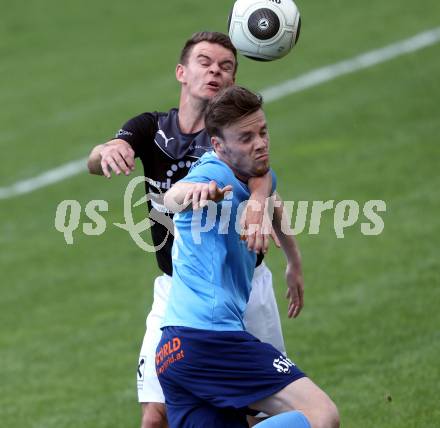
[(213, 372), (206, 242)]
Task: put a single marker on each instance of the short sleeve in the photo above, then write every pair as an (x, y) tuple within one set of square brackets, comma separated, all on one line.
[(138, 132)]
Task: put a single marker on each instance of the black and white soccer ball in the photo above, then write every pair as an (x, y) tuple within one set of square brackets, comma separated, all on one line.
[(264, 30)]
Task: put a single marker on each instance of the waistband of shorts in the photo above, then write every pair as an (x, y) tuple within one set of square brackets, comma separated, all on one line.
[(162, 282), (260, 269)]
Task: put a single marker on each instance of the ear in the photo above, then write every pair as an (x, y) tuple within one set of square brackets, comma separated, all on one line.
[(216, 144), (180, 73)]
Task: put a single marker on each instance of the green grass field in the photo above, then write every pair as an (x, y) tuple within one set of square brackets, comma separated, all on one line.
[(72, 317)]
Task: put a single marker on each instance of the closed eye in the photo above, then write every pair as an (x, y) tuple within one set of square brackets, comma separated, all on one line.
[(227, 66), (245, 138), (204, 60)]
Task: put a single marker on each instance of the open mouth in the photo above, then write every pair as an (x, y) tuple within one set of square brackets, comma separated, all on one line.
[(213, 85)]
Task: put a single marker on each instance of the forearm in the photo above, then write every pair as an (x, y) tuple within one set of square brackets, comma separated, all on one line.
[(294, 277), (261, 187), (288, 242), (174, 197), (193, 195)]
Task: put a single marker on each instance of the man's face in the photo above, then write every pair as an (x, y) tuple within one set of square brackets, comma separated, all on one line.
[(245, 146), (210, 68)]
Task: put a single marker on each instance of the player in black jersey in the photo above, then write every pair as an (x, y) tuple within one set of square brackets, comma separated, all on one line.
[(167, 145)]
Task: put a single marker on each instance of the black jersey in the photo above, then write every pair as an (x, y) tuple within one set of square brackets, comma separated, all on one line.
[(166, 154)]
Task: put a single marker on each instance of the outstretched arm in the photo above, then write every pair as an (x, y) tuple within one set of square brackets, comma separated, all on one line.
[(183, 195), (294, 276), (115, 155)]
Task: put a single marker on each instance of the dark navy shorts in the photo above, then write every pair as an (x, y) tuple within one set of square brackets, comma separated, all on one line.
[(209, 378)]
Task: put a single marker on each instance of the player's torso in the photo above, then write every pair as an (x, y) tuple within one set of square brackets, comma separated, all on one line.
[(168, 159), (213, 265), (172, 152)]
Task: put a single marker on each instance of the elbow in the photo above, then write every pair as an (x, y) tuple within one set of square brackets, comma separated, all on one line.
[(168, 201), (172, 201)]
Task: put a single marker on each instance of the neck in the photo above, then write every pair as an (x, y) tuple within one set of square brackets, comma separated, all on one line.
[(191, 114)]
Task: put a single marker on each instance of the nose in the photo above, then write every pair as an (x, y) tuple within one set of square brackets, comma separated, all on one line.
[(262, 143), (214, 68)]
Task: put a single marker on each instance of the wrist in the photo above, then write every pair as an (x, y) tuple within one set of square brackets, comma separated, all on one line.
[(294, 263)]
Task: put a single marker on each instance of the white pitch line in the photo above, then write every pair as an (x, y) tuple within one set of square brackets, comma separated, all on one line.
[(273, 93), (54, 175)]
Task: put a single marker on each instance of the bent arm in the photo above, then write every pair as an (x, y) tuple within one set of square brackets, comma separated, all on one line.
[(115, 155), (288, 242), (253, 218), (261, 187)]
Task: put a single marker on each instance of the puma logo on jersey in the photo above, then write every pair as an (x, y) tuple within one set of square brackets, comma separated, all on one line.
[(165, 139)]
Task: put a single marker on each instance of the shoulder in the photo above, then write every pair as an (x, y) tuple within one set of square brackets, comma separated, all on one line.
[(150, 119), (211, 161), (144, 122), (165, 118), (210, 167), (146, 117)]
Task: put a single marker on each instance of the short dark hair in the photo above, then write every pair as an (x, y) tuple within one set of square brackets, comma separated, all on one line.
[(210, 37), (228, 107)]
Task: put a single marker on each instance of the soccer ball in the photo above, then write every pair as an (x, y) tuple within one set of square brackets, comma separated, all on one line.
[(264, 30)]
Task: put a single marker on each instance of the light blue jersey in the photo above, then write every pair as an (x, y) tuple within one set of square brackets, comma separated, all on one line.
[(212, 267)]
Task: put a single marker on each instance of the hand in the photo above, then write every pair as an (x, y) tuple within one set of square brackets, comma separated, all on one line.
[(275, 239), (295, 290), (256, 235), (117, 156), (256, 226), (201, 193)]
